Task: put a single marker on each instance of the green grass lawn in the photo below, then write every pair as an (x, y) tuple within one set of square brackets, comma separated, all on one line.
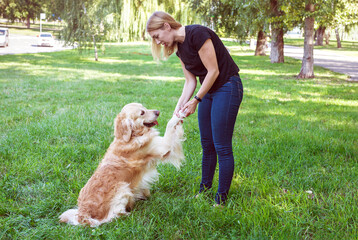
[(292, 136), (349, 48)]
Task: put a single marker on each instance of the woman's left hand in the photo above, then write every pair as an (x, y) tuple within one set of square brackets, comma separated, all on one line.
[(189, 107)]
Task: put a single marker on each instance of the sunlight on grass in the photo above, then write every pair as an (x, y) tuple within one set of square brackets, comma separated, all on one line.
[(331, 122), (119, 61), (22, 65), (56, 123), (240, 50), (161, 78), (258, 74), (280, 113), (314, 97), (313, 94), (112, 60), (328, 101), (74, 74)]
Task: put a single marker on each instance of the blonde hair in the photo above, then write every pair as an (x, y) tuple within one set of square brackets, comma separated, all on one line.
[(155, 22)]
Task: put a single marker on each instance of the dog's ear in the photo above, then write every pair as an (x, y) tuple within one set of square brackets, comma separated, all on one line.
[(123, 128)]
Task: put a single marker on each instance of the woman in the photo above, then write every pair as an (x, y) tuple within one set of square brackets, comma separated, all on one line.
[(202, 54)]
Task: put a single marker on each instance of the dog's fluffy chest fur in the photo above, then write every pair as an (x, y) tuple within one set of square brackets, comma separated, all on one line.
[(128, 168), (120, 165)]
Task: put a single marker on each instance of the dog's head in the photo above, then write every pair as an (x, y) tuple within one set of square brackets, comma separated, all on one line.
[(134, 119)]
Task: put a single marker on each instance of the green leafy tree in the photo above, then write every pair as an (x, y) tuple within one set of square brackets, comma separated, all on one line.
[(20, 10), (10, 10), (230, 18), (3, 4), (325, 17), (24, 10), (54, 8), (247, 18), (303, 14), (345, 17), (335, 14), (88, 22), (91, 22), (30, 9), (328, 13), (136, 13)]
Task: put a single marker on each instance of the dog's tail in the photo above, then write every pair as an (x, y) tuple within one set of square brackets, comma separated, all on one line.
[(70, 217)]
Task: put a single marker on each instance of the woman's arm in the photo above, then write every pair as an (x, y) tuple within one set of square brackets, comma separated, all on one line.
[(208, 57), (188, 89)]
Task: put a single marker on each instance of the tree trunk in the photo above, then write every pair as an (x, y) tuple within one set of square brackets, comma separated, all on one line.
[(339, 45), (276, 54), (28, 22), (327, 35), (95, 48), (320, 35), (261, 44), (307, 60)]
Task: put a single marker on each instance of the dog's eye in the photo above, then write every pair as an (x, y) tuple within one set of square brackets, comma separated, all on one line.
[(142, 112)]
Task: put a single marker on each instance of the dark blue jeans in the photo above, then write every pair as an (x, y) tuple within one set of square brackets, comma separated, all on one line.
[(217, 115)]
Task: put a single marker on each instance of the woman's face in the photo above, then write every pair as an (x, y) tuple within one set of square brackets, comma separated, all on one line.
[(163, 36)]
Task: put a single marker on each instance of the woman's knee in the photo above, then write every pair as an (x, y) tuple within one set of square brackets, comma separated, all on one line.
[(208, 147), (223, 150)]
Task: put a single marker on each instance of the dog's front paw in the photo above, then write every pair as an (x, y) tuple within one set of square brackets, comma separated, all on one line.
[(173, 122)]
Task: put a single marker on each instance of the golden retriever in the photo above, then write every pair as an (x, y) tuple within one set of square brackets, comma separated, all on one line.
[(128, 167)]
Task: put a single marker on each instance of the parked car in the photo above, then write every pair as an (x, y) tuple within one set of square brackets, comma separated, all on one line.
[(45, 39), (4, 37)]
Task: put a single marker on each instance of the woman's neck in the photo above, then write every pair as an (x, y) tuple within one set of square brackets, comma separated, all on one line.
[(180, 35)]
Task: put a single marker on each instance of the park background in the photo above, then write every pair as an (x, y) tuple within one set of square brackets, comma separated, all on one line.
[(295, 141)]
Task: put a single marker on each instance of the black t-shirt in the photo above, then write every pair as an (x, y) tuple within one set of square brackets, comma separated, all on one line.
[(188, 52)]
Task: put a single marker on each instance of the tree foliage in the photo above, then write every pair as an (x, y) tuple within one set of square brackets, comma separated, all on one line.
[(117, 20), (88, 21), (24, 10), (232, 18), (135, 14), (124, 20)]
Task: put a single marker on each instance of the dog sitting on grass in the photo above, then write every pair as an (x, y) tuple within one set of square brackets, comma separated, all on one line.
[(128, 167)]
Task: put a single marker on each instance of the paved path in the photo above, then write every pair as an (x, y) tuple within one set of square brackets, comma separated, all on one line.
[(28, 44), (328, 59)]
